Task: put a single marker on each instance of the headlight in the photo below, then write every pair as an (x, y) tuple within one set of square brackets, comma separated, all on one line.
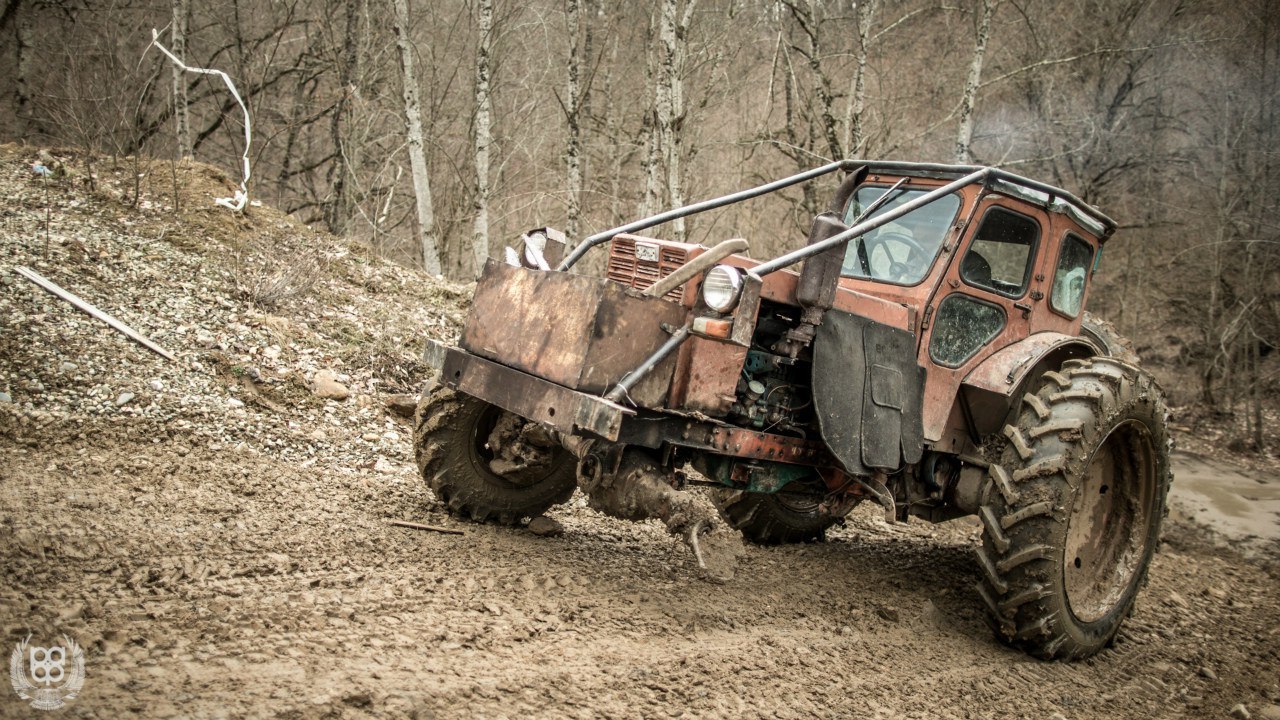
[(722, 288)]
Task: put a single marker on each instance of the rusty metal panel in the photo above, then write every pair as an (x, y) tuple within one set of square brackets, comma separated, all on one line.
[(743, 443), (706, 377), (543, 402), (581, 332)]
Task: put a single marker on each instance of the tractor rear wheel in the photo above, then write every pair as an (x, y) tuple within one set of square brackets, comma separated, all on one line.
[(1105, 334), (486, 464), (1072, 511), (773, 518)]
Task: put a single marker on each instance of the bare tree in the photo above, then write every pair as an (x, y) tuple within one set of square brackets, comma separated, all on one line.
[(864, 16), (483, 135), (429, 254), (673, 36), (573, 114), (340, 170), (964, 133), (181, 105)]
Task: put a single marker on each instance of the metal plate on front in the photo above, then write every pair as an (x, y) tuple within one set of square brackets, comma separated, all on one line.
[(544, 402), (645, 251), (579, 332)]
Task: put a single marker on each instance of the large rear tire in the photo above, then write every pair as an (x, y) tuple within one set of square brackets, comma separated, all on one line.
[(1072, 511), (488, 465), (1112, 342), (772, 518)]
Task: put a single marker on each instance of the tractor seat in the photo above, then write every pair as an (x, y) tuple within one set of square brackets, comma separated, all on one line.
[(976, 270)]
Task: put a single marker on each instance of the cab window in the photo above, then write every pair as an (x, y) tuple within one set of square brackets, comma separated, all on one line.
[(999, 258), (901, 251), (965, 324), (1069, 278)]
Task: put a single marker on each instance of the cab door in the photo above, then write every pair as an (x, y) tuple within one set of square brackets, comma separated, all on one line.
[(981, 305)]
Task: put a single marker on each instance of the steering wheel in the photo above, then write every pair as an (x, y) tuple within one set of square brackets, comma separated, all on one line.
[(901, 266)]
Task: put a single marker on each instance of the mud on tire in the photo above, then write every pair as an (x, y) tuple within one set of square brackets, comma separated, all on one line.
[(772, 519), (451, 441), (1071, 513)]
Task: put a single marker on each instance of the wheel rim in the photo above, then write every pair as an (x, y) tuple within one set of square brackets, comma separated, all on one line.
[(484, 456), (1107, 532), (797, 503)]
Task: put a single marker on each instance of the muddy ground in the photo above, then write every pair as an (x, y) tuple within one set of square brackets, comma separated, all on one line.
[(215, 530), (216, 581)]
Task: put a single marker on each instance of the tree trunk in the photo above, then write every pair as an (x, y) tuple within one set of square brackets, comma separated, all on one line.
[(22, 61), (673, 36), (820, 78), (573, 113), (484, 109), (611, 130), (428, 251), (964, 136), (181, 13), (340, 169), (652, 127), (864, 13)]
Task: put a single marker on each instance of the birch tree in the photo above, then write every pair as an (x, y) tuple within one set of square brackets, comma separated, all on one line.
[(573, 115), (650, 126), (181, 13), (429, 253), (964, 134), (483, 135), (863, 15), (673, 36)]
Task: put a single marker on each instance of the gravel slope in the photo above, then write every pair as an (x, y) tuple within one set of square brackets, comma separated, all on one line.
[(219, 543)]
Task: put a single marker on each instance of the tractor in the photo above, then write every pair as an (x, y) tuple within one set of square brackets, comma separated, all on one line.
[(926, 349)]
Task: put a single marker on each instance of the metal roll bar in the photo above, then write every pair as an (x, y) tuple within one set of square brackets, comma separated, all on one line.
[(703, 206), (867, 226)]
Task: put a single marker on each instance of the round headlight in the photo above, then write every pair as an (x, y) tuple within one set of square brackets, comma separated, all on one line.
[(721, 288)]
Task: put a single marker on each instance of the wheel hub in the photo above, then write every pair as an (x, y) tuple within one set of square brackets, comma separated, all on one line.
[(1107, 529), (518, 451)]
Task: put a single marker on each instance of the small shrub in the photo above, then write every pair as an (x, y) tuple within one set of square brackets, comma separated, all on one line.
[(268, 279)]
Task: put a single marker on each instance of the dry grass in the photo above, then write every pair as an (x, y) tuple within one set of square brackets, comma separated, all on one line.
[(268, 279)]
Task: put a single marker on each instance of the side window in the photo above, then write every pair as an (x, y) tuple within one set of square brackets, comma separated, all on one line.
[(999, 258), (1069, 279), (964, 324)]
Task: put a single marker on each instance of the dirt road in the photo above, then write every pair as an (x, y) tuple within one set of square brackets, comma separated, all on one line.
[(220, 581)]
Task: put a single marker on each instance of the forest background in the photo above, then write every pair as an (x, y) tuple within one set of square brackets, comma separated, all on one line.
[(437, 131)]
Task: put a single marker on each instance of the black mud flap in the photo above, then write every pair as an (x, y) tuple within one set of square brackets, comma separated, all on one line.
[(868, 392)]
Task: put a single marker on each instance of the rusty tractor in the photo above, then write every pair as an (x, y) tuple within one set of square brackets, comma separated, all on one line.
[(930, 355)]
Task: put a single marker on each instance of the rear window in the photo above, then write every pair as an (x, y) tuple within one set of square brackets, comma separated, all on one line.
[(900, 252), (1069, 279)]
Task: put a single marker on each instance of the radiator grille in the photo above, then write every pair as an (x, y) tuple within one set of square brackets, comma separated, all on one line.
[(626, 267)]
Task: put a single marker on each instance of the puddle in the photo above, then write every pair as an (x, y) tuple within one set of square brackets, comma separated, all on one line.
[(1237, 503)]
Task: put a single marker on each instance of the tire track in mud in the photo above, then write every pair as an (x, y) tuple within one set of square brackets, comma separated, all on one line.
[(315, 606)]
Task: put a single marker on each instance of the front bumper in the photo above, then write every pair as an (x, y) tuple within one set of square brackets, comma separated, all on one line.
[(567, 411)]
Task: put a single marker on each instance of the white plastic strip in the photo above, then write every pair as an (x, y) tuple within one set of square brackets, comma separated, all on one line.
[(241, 197)]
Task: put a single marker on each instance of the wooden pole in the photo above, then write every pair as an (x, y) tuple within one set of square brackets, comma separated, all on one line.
[(75, 300)]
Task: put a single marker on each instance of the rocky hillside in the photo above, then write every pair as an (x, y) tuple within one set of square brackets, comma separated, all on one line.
[(287, 341)]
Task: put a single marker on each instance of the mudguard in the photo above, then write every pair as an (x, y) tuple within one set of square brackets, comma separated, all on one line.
[(867, 393), (1004, 371), (990, 389)]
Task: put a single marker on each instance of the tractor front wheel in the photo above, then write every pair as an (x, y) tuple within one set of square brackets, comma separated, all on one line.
[(486, 464), (773, 518), (1072, 511)]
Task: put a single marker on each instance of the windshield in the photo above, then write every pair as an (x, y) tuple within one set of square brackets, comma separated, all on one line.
[(900, 251)]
